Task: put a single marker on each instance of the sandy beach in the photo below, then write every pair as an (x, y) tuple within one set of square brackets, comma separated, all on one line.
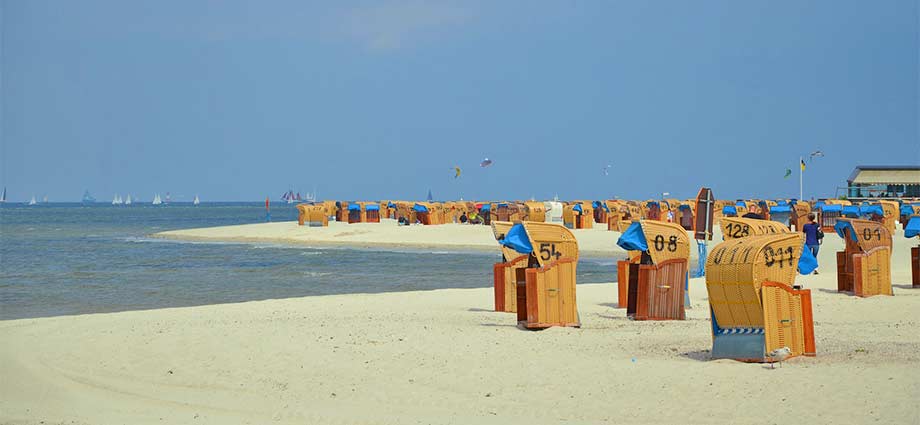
[(444, 357), (594, 241)]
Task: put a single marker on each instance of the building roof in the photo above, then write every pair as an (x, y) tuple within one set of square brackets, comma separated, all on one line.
[(885, 174)]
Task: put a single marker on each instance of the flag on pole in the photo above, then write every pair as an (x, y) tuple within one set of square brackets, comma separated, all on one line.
[(802, 161)]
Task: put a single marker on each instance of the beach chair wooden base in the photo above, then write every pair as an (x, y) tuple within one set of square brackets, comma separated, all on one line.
[(658, 290), (915, 266), (865, 275), (549, 296), (505, 278)]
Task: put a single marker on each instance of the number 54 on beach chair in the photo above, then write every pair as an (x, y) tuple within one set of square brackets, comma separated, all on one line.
[(545, 285)]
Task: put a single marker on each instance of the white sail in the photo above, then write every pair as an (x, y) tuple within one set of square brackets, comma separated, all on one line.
[(32, 201), (3, 196), (128, 200), (157, 200), (117, 200), (45, 199), (196, 201)]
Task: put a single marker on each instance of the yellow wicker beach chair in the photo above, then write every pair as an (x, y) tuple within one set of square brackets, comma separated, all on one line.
[(864, 267), (891, 214), (655, 286), (547, 295), (754, 304), (534, 211)]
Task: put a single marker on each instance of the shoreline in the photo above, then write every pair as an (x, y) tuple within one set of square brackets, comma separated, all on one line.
[(595, 242)]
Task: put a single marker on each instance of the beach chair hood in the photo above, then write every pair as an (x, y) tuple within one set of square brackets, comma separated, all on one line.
[(517, 239), (913, 227)]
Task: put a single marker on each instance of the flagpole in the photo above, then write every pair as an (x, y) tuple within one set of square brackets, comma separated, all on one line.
[(801, 173)]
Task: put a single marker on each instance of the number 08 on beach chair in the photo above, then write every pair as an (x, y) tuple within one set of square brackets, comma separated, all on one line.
[(655, 286), (755, 307), (545, 296)]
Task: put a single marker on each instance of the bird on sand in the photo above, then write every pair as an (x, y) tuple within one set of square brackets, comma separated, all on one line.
[(779, 355)]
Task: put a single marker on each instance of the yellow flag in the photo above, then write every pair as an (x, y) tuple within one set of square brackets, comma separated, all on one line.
[(802, 161)]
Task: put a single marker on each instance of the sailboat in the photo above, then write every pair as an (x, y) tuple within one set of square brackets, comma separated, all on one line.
[(117, 200), (128, 200), (45, 199), (87, 198), (196, 201), (3, 197), (157, 200), (167, 198), (32, 201)]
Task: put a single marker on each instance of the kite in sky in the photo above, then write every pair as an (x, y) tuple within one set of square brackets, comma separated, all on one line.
[(788, 173), (456, 172), (485, 163), (607, 170), (816, 154)]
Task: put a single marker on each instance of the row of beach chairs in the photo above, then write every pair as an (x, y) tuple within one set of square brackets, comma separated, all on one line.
[(756, 307)]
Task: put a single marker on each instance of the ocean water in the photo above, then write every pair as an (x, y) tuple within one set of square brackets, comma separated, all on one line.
[(62, 259)]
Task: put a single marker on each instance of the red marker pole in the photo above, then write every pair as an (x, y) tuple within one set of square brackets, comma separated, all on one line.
[(268, 211)]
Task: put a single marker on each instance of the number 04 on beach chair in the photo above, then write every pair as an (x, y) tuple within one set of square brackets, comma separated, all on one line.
[(544, 279), (755, 307)]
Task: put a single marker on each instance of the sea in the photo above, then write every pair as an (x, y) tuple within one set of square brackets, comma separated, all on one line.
[(70, 258)]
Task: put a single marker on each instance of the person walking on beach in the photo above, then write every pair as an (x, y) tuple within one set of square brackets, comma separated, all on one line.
[(813, 236)]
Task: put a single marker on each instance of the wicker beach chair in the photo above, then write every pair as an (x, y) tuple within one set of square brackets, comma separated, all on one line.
[(754, 304), (534, 211), (546, 294), (654, 287), (864, 266)]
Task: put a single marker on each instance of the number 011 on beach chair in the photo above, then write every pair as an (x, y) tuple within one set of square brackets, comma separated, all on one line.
[(754, 304), (545, 286)]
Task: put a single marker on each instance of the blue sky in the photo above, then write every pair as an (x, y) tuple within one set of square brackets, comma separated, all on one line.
[(380, 99)]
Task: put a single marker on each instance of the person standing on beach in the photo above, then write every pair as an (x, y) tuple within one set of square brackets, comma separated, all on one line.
[(813, 236)]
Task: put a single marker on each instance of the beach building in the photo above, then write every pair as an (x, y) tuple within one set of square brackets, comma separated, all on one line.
[(884, 181)]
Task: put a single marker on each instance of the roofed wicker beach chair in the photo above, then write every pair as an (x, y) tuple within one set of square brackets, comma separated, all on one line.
[(890, 211), (864, 266), (534, 211), (756, 307), (312, 215), (655, 286), (547, 296), (355, 213)]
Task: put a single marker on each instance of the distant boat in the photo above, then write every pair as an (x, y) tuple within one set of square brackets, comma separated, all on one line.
[(117, 200), (429, 195), (3, 196), (45, 199), (167, 198), (87, 198), (288, 197), (157, 200), (128, 200), (32, 201), (196, 201)]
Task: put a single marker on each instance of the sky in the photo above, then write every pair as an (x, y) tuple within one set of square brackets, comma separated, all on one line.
[(381, 99)]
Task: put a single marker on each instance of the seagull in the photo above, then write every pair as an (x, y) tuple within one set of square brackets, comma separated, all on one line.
[(779, 355)]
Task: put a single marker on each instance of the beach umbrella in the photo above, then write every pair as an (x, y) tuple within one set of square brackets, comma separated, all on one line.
[(485, 163)]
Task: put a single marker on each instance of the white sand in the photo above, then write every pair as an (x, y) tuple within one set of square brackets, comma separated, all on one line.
[(386, 233), (443, 357)]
